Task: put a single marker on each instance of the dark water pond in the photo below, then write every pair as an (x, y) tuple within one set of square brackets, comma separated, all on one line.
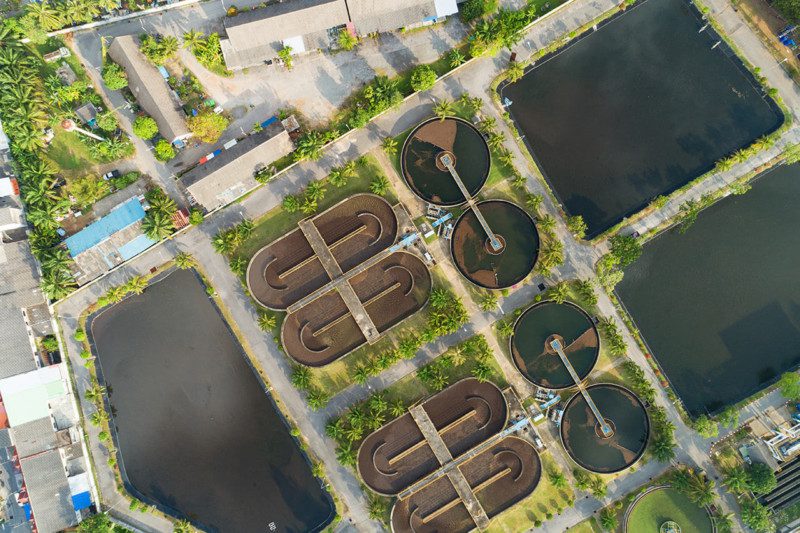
[(433, 182), (196, 431), (474, 256), (720, 305), (636, 110), (581, 434)]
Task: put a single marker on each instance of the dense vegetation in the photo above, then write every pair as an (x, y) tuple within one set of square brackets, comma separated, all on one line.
[(30, 100), (207, 50)]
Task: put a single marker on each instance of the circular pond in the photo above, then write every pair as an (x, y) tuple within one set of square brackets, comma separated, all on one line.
[(478, 261), (530, 343), (425, 151), (586, 443), (663, 505)]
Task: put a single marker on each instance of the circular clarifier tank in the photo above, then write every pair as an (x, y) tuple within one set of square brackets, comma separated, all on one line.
[(425, 151), (586, 443), (474, 255), (534, 331)]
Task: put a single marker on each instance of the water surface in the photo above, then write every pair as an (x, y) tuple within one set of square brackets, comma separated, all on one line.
[(197, 432), (720, 305), (636, 110)]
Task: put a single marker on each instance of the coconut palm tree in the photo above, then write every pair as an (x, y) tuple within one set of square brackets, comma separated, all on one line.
[(557, 479), (266, 321), (482, 371), (396, 408), (389, 145), (163, 204), (94, 393), (301, 377), (346, 455), (56, 260), (157, 226), (443, 108), (361, 374), (184, 261), (317, 399), (488, 125), (44, 14), (191, 39), (57, 284), (315, 191), (337, 177), (28, 138), (456, 58), (533, 202), (136, 285), (335, 429), (44, 216), (546, 222), (379, 185), (107, 5), (735, 480), (309, 206)]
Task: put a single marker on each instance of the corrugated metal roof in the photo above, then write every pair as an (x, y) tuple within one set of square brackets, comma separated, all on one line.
[(34, 437), (48, 490), (150, 89), (119, 218)]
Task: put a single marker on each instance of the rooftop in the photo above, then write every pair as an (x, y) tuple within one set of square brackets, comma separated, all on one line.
[(149, 88), (119, 218), (49, 491)]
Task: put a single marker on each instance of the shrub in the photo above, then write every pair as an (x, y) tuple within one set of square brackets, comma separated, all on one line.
[(472, 9), (195, 217), (79, 335), (285, 54), (208, 126), (789, 385), (422, 78), (114, 76), (145, 127), (159, 50), (164, 151)]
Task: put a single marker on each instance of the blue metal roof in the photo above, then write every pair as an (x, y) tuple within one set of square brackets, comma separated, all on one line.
[(119, 218), (81, 501), (135, 247)]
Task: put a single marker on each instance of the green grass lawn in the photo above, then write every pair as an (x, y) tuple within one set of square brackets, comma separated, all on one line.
[(668, 504), (278, 222), (545, 498), (587, 526), (70, 154)]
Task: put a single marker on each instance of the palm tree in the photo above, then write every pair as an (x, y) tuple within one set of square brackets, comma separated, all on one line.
[(157, 226), (664, 449), (586, 291), (94, 393), (547, 222), (163, 204), (456, 58), (56, 260), (169, 45), (724, 522), (396, 408), (309, 206), (290, 204), (191, 39), (315, 191), (361, 374), (29, 139), (496, 141), (301, 377), (44, 15), (317, 399), (515, 72), (482, 371), (184, 261), (354, 433), (57, 284), (443, 108), (506, 158), (72, 11), (44, 216), (183, 526), (335, 429), (487, 125), (107, 5), (346, 455), (389, 145), (701, 490), (266, 321), (377, 509), (608, 519), (736, 480), (533, 202), (379, 185), (98, 417), (136, 285), (377, 403), (557, 479), (337, 177)]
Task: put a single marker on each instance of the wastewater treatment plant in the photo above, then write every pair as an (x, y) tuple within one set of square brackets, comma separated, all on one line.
[(604, 427), (446, 162)]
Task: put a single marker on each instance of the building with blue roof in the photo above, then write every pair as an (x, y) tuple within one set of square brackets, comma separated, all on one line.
[(109, 241)]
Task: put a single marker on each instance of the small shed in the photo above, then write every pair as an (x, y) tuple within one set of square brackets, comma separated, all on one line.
[(66, 74), (87, 113)]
